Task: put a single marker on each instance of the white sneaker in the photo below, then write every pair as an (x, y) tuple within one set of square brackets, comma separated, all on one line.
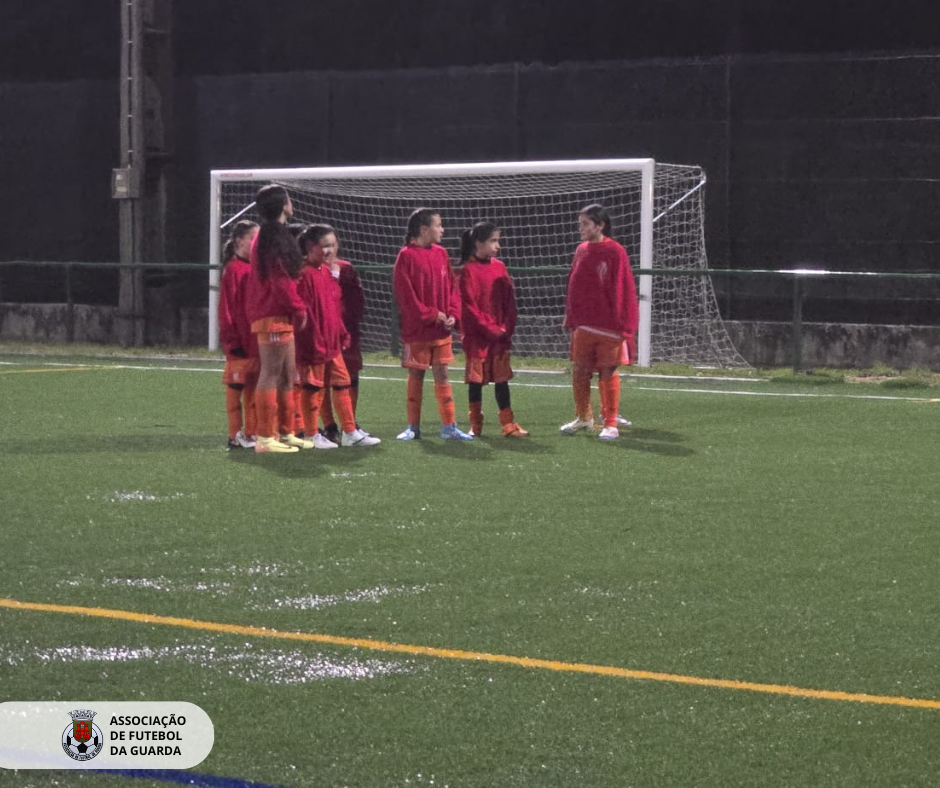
[(576, 426), (609, 433), (358, 438), (322, 442), (243, 440), (622, 422)]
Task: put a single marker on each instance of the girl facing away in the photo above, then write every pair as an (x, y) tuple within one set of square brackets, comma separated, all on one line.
[(274, 309)]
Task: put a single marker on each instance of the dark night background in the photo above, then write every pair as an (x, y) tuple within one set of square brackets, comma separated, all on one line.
[(818, 123)]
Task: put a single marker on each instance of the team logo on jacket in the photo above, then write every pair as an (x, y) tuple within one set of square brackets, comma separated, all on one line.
[(82, 740), (602, 271)]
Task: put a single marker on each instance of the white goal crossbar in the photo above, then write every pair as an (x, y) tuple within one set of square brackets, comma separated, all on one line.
[(537, 202)]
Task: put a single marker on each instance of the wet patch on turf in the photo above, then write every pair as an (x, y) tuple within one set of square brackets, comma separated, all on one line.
[(136, 496), (248, 662), (318, 601)]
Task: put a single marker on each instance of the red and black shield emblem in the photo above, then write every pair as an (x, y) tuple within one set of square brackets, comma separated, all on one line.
[(81, 730)]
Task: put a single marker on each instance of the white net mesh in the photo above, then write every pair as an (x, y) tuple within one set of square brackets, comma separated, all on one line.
[(537, 216)]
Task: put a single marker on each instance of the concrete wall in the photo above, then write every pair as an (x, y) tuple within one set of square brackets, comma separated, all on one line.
[(763, 344), (838, 345)]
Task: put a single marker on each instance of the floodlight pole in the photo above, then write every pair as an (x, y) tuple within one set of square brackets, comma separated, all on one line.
[(139, 184)]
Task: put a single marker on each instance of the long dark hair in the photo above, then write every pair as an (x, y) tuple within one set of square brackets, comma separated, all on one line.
[(597, 213), (276, 243), (469, 239), (270, 202), (240, 229), (419, 218)]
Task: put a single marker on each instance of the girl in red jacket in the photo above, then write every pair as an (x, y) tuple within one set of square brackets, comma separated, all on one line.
[(487, 320), (352, 306), (241, 348), (274, 309), (320, 345), (602, 314), (428, 309)]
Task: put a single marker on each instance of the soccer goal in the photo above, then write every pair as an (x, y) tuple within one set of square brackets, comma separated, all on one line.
[(657, 213)]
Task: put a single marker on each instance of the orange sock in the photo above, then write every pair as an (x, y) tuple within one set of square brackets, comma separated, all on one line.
[(610, 399), (344, 409), (251, 418), (476, 417), (298, 407), (581, 385), (326, 408), (415, 392), (506, 416), (266, 410), (445, 403), (285, 411), (354, 395), (233, 407), (312, 404)]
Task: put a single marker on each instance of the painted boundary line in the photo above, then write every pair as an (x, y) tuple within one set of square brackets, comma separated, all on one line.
[(472, 656), (517, 384), (183, 778)]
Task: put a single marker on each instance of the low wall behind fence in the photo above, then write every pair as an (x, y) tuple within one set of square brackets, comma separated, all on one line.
[(761, 343)]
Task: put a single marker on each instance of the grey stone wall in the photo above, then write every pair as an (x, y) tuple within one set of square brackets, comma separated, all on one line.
[(763, 344)]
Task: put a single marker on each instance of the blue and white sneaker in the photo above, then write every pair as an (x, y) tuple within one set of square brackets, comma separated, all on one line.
[(452, 433), (410, 433)]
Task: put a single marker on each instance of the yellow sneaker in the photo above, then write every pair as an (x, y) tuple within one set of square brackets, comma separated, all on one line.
[(292, 440), (273, 446)]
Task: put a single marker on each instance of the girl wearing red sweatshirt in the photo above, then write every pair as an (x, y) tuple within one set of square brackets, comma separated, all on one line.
[(274, 309), (602, 314), (428, 309), (320, 345), (241, 348), (487, 320)]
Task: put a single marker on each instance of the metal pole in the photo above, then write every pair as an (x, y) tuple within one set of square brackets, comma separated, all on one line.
[(797, 324), (69, 305)]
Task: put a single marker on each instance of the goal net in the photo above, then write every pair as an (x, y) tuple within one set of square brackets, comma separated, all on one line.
[(657, 213)]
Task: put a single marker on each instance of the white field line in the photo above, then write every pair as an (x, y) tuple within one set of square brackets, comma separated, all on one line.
[(516, 384)]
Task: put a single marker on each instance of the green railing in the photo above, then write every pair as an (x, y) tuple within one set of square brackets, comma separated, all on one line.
[(799, 276)]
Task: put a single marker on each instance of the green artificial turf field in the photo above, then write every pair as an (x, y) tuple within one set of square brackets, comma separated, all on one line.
[(692, 598)]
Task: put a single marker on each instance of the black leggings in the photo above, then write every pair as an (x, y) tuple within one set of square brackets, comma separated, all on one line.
[(475, 394)]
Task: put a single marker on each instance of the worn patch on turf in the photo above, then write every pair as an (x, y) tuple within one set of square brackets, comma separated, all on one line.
[(247, 662)]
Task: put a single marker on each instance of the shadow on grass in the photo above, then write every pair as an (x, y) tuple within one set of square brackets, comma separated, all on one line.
[(643, 440), (484, 448), (115, 444), (305, 464)]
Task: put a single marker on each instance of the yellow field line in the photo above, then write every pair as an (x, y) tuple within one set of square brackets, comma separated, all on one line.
[(472, 656), (46, 369)]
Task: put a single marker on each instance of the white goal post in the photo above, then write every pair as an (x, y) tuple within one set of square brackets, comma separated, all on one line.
[(656, 210)]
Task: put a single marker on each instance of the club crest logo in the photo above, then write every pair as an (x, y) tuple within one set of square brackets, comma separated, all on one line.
[(82, 740)]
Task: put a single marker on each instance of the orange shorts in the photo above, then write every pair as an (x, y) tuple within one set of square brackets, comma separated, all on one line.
[(494, 368), (240, 370), (330, 373), (598, 351), (273, 330), (421, 355)]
